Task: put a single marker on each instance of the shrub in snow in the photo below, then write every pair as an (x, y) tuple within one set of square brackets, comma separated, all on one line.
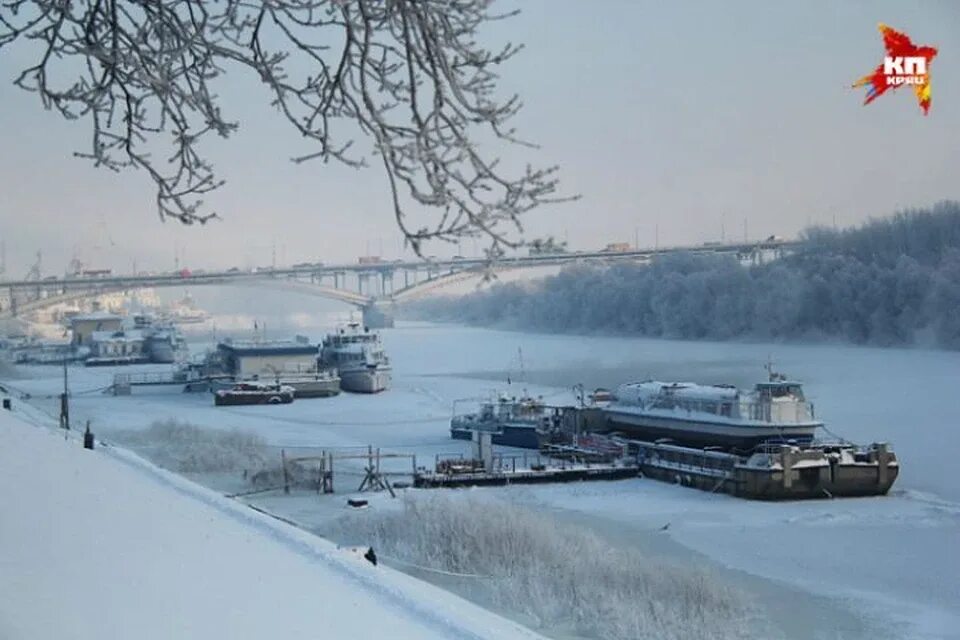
[(183, 447), (561, 575)]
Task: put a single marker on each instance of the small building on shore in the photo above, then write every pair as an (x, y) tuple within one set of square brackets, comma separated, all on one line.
[(266, 359), (84, 326)]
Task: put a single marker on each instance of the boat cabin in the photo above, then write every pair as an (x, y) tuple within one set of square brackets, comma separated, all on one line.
[(779, 389), (266, 359)]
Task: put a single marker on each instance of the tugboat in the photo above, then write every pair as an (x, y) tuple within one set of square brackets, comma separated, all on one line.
[(254, 393), (359, 358), (514, 422), (721, 416)]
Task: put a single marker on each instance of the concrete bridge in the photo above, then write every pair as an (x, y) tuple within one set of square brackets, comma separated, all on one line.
[(375, 287)]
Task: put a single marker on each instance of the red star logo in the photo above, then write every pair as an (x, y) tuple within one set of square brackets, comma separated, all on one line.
[(886, 76)]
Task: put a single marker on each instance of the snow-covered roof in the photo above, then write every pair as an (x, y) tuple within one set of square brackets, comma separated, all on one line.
[(691, 390), (268, 348)]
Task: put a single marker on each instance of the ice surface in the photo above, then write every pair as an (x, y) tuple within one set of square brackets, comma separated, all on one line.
[(893, 559)]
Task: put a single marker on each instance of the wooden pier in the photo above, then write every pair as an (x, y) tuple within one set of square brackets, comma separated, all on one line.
[(123, 383), (525, 476)]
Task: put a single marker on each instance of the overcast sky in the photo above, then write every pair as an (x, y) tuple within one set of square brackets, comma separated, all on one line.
[(686, 117)]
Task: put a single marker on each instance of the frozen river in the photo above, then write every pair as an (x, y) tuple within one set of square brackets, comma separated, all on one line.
[(890, 563)]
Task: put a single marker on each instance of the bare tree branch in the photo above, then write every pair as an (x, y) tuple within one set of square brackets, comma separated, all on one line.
[(408, 74)]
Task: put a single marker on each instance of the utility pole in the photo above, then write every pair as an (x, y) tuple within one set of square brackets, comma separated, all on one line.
[(723, 229), (636, 238), (744, 230)]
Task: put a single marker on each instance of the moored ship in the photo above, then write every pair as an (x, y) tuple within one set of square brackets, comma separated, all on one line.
[(720, 416), (166, 345), (185, 311), (359, 358), (513, 422)]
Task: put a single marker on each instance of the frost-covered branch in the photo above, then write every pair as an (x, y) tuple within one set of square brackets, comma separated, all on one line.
[(408, 75)]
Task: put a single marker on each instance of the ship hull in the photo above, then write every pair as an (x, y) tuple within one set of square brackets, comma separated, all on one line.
[(507, 436), (370, 380), (700, 434), (322, 388), (164, 353), (115, 361), (231, 399)]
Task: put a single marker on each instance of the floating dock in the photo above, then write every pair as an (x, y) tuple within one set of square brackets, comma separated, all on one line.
[(482, 478), (774, 471)]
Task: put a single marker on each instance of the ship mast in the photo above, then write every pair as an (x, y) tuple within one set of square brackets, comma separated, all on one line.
[(772, 376)]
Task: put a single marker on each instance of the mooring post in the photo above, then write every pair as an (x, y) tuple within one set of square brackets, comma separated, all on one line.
[(320, 473), (88, 437), (65, 400), (329, 472)]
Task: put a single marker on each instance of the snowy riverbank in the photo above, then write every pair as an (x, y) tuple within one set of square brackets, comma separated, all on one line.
[(104, 545)]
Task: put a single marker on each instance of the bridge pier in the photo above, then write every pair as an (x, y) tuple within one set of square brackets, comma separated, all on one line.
[(386, 279), (378, 314)]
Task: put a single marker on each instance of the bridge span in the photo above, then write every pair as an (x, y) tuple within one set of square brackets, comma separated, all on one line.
[(371, 286)]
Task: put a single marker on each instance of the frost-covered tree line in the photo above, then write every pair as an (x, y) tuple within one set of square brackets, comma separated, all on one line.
[(892, 281)]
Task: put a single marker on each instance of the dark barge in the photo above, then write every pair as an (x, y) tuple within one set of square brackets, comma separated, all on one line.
[(254, 393), (774, 471)]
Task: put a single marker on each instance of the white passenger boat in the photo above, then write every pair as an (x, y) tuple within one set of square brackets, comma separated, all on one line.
[(721, 416), (359, 357), (185, 311)]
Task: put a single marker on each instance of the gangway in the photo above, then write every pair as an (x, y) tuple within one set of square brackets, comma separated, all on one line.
[(124, 382)]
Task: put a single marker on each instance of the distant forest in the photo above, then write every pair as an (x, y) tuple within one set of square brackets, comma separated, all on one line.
[(891, 281)]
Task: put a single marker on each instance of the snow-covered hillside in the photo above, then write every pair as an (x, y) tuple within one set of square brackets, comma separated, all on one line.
[(103, 545)]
